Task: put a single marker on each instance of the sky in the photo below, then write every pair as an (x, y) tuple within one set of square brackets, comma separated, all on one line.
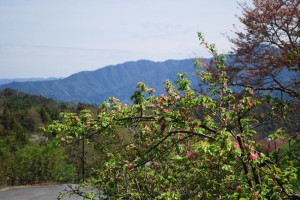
[(57, 38)]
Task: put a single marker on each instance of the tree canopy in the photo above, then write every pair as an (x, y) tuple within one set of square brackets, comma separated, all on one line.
[(268, 47)]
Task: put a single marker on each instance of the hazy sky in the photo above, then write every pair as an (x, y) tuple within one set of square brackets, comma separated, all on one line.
[(56, 38)]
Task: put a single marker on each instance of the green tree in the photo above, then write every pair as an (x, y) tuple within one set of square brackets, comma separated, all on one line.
[(266, 58), (181, 145), (41, 163)]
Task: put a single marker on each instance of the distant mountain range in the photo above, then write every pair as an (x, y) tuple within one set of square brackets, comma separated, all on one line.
[(5, 81), (118, 81)]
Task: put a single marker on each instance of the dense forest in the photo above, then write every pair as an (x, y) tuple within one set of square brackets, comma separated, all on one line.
[(27, 154)]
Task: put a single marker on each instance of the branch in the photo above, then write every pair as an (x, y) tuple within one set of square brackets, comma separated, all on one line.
[(175, 132), (283, 89), (138, 118), (152, 158)]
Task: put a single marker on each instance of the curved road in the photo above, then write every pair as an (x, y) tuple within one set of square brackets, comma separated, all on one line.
[(45, 192)]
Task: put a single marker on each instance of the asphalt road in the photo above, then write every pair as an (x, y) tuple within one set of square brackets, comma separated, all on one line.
[(35, 193)]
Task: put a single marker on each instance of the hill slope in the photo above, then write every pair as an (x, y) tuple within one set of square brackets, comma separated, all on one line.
[(118, 81)]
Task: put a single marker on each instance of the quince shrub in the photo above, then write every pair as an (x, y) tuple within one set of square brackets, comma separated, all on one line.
[(180, 145)]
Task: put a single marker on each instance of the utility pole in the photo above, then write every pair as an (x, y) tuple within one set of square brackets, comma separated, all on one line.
[(83, 157)]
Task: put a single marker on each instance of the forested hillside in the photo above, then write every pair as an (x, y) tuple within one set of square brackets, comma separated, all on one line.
[(26, 153)]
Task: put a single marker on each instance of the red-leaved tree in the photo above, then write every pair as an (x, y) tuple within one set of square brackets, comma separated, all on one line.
[(267, 50)]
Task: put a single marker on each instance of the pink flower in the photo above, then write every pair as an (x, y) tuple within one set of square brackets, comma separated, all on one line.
[(238, 187), (250, 104), (251, 148), (62, 139), (132, 145), (225, 84), (236, 145), (165, 110), (164, 97), (240, 105), (146, 128), (254, 156), (76, 117), (255, 195), (152, 105), (191, 155)]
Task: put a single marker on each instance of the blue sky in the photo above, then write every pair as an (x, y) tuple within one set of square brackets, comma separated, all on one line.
[(56, 38)]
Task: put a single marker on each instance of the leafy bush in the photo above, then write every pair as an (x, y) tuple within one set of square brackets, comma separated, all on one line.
[(181, 145)]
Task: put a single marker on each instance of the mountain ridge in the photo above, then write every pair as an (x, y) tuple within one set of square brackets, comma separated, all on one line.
[(9, 80), (114, 80)]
